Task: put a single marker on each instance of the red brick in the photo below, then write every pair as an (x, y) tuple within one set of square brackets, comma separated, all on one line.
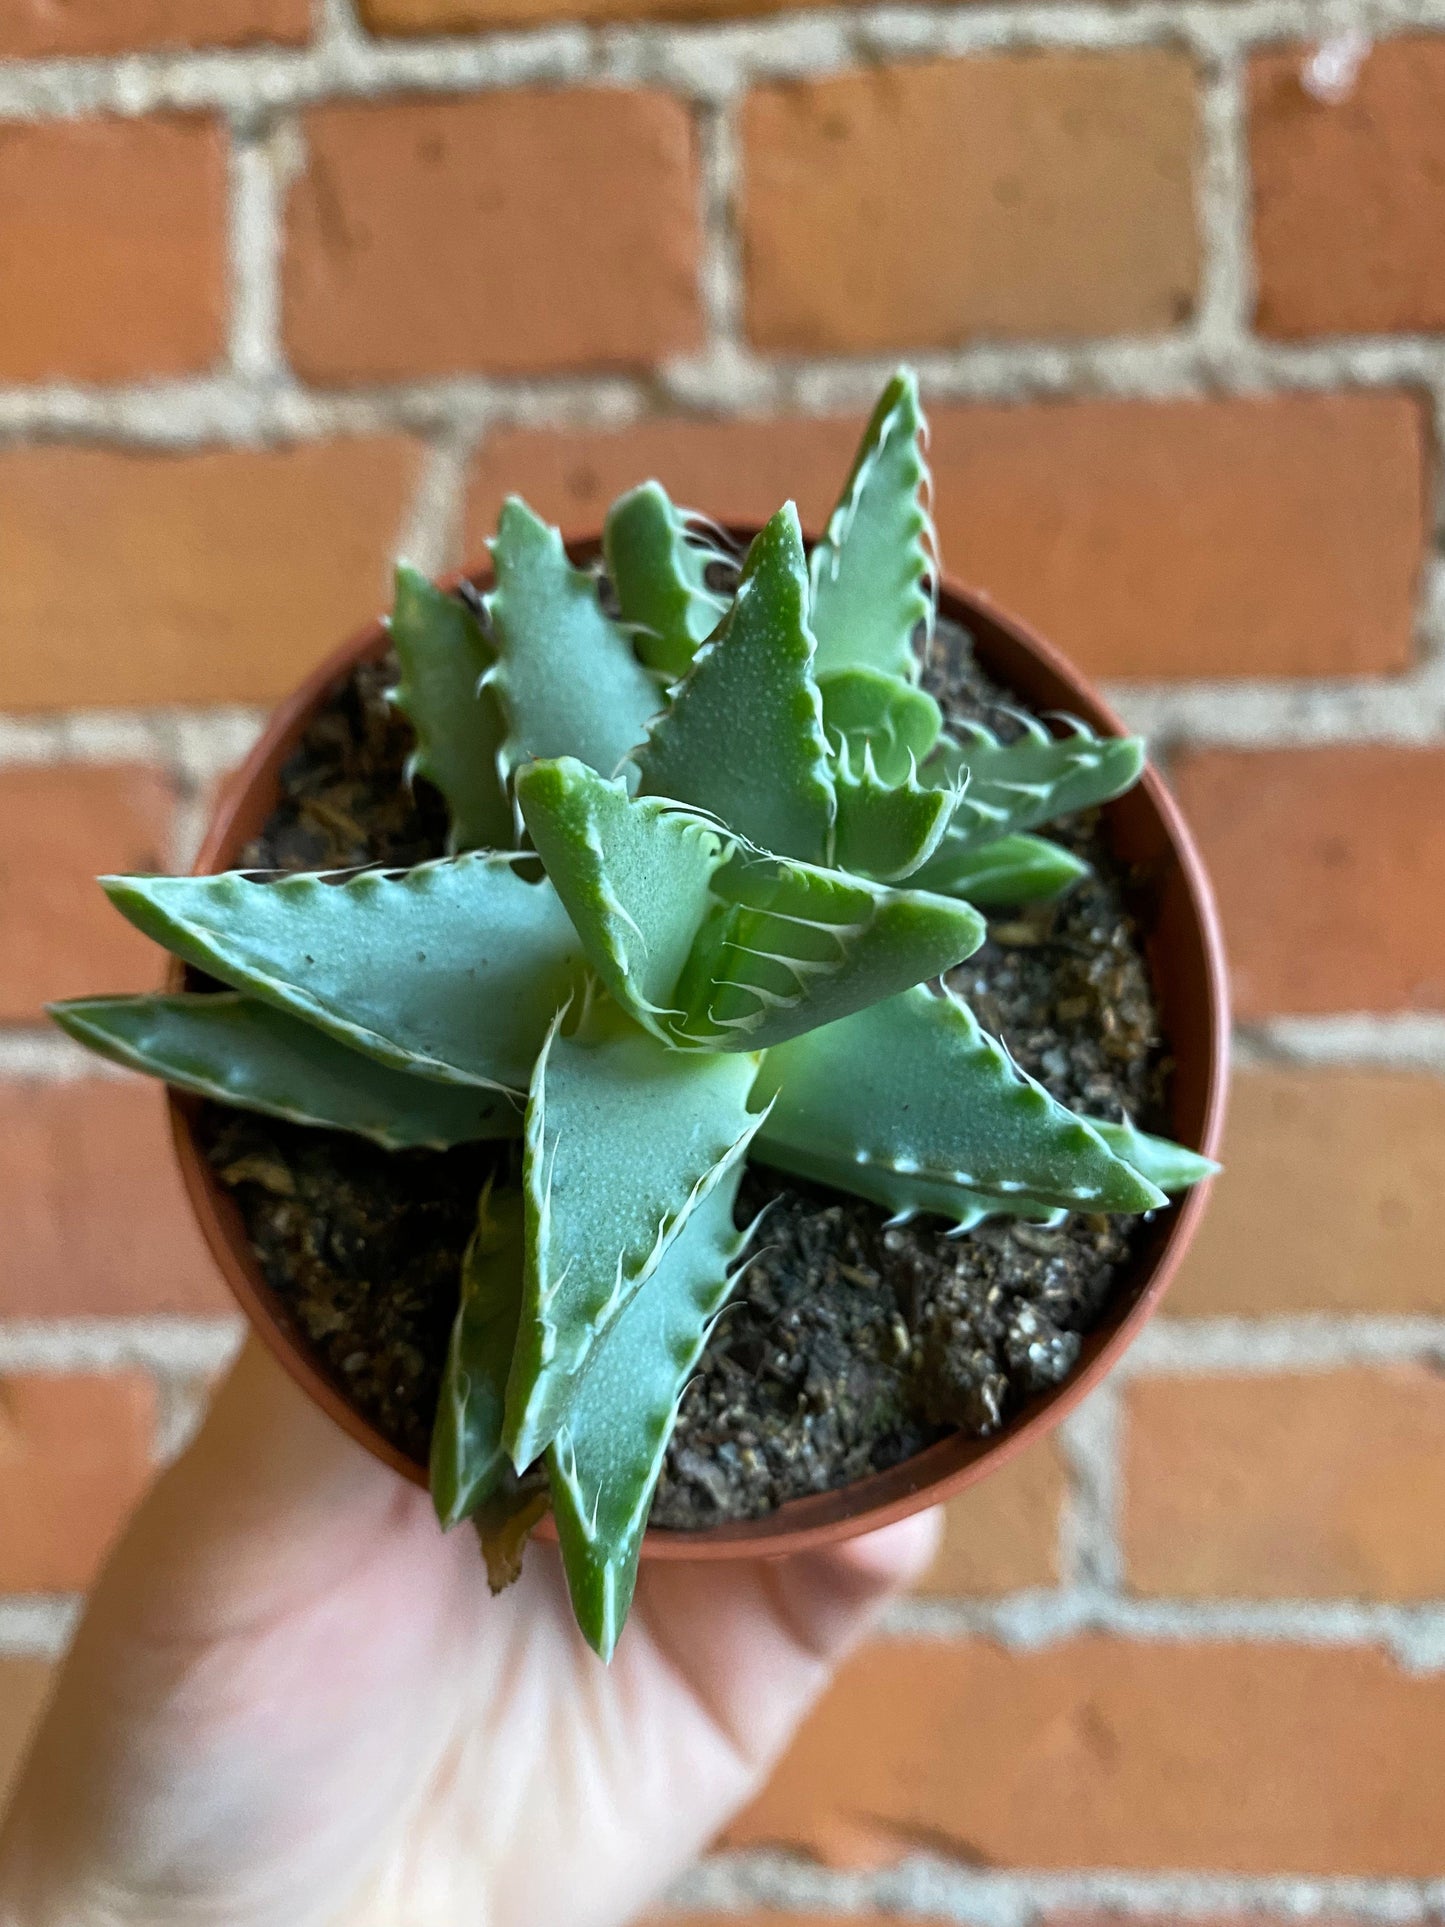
[(513, 233), (1294, 1486), (24, 1686), (29, 28), (463, 16), (1349, 194), (1003, 1533), (1013, 194), (96, 1222), (59, 830), (786, 1920), (1332, 1198), (1240, 1758), (223, 576), (1330, 869), (1225, 538), (112, 248), (75, 1457)]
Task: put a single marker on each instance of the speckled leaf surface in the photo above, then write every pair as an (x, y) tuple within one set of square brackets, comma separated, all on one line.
[(634, 876), (914, 1088), (237, 1051), (886, 831), (624, 1139), (605, 1461), (869, 711), (443, 657), (657, 557), (743, 738), (790, 947), (872, 571), (468, 1460), (1010, 870), (454, 969), (1171, 1166), (1020, 785), (566, 676)]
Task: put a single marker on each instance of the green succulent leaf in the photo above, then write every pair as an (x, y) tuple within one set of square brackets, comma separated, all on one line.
[(873, 570), (568, 681), (790, 947), (444, 657), (1171, 1166), (657, 556), (886, 830), (913, 1089), (633, 873), (468, 1460), (742, 738), (625, 1138), (604, 1463), (867, 711), (1020, 785), (1011, 870), (454, 969), (238, 1051)]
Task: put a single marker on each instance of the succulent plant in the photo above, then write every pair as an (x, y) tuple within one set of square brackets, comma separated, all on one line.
[(712, 849)]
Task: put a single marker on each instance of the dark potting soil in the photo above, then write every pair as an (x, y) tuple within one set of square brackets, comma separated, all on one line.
[(850, 1344)]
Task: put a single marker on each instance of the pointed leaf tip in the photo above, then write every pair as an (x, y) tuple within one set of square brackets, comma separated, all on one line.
[(743, 736), (873, 572), (658, 562), (444, 659), (566, 676)]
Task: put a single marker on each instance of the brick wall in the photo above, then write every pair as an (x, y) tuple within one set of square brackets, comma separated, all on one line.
[(283, 292)]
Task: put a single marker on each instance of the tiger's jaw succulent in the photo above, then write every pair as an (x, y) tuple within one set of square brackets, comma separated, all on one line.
[(712, 850)]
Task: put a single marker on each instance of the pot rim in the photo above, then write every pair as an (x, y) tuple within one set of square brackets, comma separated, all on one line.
[(1189, 962)]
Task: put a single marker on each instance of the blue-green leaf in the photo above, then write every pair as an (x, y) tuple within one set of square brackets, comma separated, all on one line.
[(914, 1089), (624, 1139), (633, 873), (867, 711), (454, 969), (1171, 1166), (657, 556), (238, 1051), (1021, 785), (886, 830), (568, 681), (743, 738), (605, 1461), (1010, 870), (468, 1460), (444, 657), (873, 570), (790, 947)]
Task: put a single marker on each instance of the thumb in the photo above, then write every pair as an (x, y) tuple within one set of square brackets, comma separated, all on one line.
[(758, 1643)]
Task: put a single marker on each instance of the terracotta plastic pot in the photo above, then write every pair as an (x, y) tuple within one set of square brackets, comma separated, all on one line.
[(1186, 960)]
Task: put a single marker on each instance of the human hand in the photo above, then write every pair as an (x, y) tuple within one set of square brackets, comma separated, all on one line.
[(293, 1702)]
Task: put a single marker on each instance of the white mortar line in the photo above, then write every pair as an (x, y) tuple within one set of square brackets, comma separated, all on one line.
[(44, 1055), (185, 1347), (37, 1627), (1304, 1342), (1413, 1041), (1185, 365), (260, 161), (432, 535), (1089, 1551), (928, 1887), (701, 55), (1226, 287), (1413, 1635)]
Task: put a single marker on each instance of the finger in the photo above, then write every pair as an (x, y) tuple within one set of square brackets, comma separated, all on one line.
[(757, 1642), (270, 1503)]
